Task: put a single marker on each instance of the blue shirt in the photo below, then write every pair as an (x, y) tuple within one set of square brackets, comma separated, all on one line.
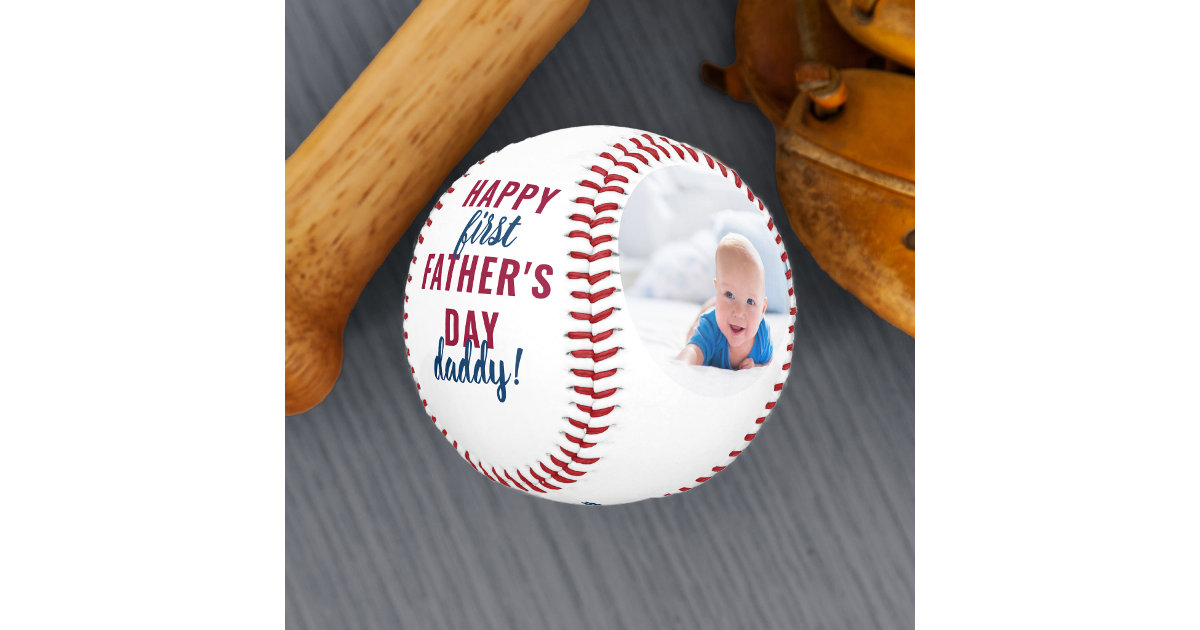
[(715, 347)]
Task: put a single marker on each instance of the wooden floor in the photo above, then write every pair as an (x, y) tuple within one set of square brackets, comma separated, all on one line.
[(388, 528)]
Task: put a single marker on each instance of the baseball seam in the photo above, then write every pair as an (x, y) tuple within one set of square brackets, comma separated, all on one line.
[(647, 147), (555, 468)]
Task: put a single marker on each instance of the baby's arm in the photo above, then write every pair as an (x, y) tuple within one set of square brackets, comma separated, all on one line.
[(712, 301), (691, 355), (747, 363)]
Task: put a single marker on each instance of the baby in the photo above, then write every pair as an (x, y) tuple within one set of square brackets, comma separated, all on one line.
[(733, 335)]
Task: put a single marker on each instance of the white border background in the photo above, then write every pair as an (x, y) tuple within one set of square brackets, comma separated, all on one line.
[(141, 450), (1057, 375)]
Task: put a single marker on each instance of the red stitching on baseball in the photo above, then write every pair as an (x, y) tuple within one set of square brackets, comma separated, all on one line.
[(593, 222), (529, 483), (591, 278), (592, 257), (654, 152), (668, 142), (593, 338), (594, 241), (601, 189), (554, 473), (636, 156), (588, 431), (601, 316), (593, 355), (496, 476), (578, 460), (595, 376), (579, 334), (595, 413), (542, 481), (616, 162), (563, 465), (515, 483), (587, 391), (579, 441), (593, 297)]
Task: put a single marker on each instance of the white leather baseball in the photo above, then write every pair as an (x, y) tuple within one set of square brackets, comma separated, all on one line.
[(585, 415)]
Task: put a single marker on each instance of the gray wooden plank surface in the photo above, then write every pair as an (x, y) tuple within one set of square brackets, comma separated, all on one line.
[(388, 528)]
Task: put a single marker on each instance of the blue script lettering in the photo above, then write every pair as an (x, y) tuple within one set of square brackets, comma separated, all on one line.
[(483, 370), (479, 229)]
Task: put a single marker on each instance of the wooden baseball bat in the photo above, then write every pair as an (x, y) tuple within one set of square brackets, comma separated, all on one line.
[(355, 184)]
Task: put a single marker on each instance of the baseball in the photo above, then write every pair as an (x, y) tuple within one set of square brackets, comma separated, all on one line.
[(599, 315)]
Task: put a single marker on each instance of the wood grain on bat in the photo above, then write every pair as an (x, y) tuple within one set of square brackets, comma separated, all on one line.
[(355, 184)]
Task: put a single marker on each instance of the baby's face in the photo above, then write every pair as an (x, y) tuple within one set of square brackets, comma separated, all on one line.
[(740, 301)]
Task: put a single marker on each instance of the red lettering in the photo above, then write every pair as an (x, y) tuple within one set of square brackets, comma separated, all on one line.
[(508, 271), (467, 272), (485, 274), (527, 193), (451, 329), (471, 335), (449, 273), (509, 189), (436, 281), (546, 197), (426, 276), (489, 326), (474, 194), (540, 275), (487, 196)]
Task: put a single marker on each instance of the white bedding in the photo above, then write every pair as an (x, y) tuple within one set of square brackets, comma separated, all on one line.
[(663, 326)]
